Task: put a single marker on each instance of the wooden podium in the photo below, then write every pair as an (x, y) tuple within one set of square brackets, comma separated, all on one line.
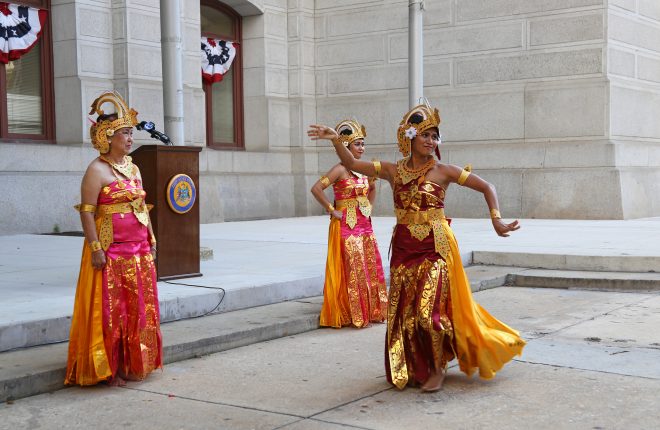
[(177, 233)]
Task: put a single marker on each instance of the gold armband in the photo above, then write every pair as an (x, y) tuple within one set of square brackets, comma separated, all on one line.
[(324, 181), (467, 170), (152, 239), (495, 214), (83, 207), (329, 208), (377, 167), (95, 246)]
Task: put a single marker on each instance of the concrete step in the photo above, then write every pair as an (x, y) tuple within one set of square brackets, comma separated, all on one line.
[(31, 371), (596, 263), (585, 280), (38, 369), (178, 300)]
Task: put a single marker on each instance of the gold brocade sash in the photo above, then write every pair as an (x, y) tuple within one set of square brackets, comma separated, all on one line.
[(351, 205), (420, 224), (137, 207)]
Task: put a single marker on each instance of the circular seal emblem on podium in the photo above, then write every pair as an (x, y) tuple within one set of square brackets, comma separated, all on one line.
[(181, 193)]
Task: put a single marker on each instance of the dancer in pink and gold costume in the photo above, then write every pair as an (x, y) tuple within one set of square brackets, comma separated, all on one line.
[(115, 330), (432, 317), (354, 292)]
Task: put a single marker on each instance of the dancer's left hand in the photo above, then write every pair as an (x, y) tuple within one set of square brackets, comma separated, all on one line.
[(503, 229)]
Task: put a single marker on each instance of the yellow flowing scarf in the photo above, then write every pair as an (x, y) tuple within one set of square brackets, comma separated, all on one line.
[(335, 311), (482, 341), (87, 362)]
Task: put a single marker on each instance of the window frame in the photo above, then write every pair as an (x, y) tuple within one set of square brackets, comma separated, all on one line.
[(237, 92), (47, 87)]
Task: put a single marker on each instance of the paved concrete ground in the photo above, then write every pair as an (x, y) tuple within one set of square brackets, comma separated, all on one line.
[(592, 362), (285, 260)]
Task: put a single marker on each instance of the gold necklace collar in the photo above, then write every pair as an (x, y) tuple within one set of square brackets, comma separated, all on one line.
[(126, 168), (407, 174)]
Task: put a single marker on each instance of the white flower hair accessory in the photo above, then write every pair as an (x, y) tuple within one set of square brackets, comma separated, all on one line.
[(411, 132)]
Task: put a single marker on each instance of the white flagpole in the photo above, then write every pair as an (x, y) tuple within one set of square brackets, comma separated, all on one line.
[(171, 48), (415, 52)]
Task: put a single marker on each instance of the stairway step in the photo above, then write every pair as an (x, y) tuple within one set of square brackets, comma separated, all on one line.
[(610, 263), (586, 280), (30, 371)]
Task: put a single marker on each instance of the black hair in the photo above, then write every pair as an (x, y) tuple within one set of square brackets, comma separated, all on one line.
[(415, 118), (346, 132), (107, 117)]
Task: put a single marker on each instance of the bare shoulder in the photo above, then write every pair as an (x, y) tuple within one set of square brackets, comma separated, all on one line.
[(96, 167), (339, 171)]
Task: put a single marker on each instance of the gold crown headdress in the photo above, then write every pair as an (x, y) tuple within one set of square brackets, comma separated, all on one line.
[(407, 131), (102, 131), (357, 131)]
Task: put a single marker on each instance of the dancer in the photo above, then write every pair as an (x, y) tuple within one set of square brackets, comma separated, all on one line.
[(432, 317), (354, 292), (115, 329)]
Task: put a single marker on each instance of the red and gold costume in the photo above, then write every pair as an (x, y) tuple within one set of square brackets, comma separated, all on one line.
[(354, 292), (432, 317), (115, 329)]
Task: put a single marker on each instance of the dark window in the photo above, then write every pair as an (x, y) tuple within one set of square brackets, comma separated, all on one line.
[(224, 99), (26, 90)]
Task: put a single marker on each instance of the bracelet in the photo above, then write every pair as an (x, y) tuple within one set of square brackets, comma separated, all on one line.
[(495, 214), (84, 207), (95, 245), (377, 167), (329, 208), (153, 240), (464, 174), (463, 177), (324, 181)]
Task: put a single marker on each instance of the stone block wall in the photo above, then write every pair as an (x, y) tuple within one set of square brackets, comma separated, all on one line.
[(521, 86), (553, 101), (634, 75)]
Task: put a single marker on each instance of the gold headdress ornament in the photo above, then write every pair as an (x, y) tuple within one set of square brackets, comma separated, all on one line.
[(357, 131), (406, 131), (102, 131)]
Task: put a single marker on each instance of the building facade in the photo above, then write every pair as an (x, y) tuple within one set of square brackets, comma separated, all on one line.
[(553, 101)]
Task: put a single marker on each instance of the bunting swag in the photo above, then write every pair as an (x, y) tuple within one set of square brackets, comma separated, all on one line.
[(20, 28), (217, 56)]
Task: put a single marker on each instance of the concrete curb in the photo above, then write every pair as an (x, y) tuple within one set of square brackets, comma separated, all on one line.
[(25, 334), (584, 280), (37, 370), (597, 263)]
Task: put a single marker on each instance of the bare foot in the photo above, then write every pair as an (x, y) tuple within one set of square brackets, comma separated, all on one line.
[(117, 381), (434, 383)]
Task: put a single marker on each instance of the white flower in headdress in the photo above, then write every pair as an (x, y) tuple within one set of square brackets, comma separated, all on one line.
[(411, 132)]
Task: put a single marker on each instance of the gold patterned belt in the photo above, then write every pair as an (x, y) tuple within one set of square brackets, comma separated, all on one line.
[(105, 212), (351, 205), (404, 216), (421, 223)]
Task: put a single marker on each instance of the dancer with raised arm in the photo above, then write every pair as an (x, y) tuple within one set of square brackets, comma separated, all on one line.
[(432, 317), (354, 292)]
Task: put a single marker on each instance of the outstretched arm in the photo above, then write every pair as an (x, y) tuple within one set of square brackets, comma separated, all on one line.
[(460, 176), (369, 168)]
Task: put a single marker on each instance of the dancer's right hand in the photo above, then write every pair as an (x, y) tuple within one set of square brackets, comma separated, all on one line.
[(98, 259), (337, 214), (319, 131)]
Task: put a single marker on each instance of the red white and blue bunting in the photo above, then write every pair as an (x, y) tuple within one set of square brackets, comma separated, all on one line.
[(20, 28), (217, 56)]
